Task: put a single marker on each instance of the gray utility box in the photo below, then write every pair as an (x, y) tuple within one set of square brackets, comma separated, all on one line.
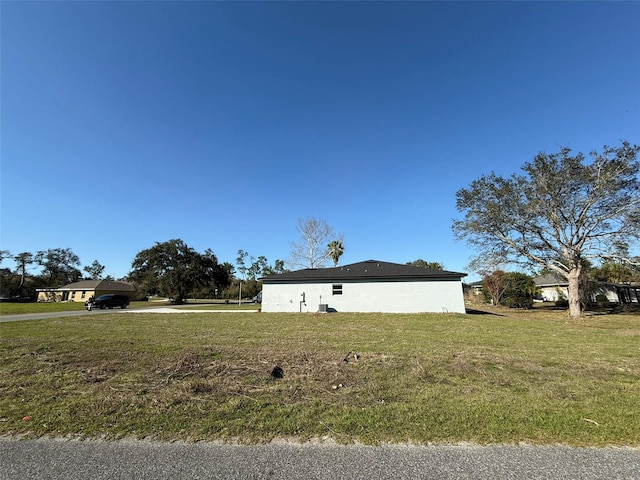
[(323, 307)]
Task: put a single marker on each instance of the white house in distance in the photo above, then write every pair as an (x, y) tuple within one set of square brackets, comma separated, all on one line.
[(554, 288), (370, 286)]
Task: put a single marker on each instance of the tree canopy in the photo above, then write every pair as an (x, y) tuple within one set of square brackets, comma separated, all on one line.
[(95, 270), (615, 272), (562, 211), (513, 289), (520, 289), (59, 266), (176, 269), (336, 249), (424, 264), (494, 285)]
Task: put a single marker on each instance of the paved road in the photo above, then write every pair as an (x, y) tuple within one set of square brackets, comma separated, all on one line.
[(139, 460)]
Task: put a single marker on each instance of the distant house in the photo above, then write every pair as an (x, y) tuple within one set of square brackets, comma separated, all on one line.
[(630, 292), (370, 286), (81, 291), (555, 288), (474, 288), (621, 293)]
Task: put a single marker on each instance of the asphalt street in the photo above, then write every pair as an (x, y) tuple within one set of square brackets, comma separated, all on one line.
[(47, 459)]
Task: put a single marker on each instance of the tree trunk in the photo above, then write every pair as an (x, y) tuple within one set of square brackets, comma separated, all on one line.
[(575, 309)]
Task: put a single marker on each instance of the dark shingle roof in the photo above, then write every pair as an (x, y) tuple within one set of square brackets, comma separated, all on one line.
[(550, 280), (370, 270), (99, 285)]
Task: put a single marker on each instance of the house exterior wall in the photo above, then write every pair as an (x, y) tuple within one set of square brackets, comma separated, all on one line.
[(49, 295), (608, 291), (81, 293), (554, 293), (58, 295), (381, 296)]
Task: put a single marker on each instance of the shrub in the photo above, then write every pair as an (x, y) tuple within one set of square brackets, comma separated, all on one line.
[(519, 290)]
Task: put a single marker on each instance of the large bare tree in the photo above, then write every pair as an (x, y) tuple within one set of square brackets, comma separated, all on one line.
[(495, 285), (563, 212), (313, 251)]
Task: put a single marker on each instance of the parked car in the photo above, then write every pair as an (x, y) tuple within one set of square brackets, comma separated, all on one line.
[(257, 298), (107, 301)]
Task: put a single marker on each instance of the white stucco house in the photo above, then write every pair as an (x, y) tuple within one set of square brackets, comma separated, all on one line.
[(370, 286), (552, 287)]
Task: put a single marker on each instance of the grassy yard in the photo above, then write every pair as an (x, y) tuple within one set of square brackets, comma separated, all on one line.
[(7, 308), (502, 377)]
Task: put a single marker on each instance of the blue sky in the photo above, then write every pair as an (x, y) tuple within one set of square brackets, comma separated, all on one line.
[(223, 123)]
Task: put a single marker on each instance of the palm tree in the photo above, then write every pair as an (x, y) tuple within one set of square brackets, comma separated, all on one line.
[(336, 249)]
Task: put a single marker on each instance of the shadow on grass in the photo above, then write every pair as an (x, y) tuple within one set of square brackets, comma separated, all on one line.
[(475, 311)]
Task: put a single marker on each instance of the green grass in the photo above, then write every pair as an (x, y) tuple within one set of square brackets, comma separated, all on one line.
[(535, 377), (7, 308), (221, 306)]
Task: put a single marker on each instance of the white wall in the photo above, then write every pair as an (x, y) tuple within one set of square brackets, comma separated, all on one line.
[(554, 293), (608, 291), (397, 297)]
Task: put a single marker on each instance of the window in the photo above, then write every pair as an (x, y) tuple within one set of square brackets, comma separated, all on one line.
[(337, 289), (84, 293)]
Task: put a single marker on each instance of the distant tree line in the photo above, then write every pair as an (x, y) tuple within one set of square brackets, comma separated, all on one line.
[(56, 267), (171, 269), (245, 275), (425, 264)]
